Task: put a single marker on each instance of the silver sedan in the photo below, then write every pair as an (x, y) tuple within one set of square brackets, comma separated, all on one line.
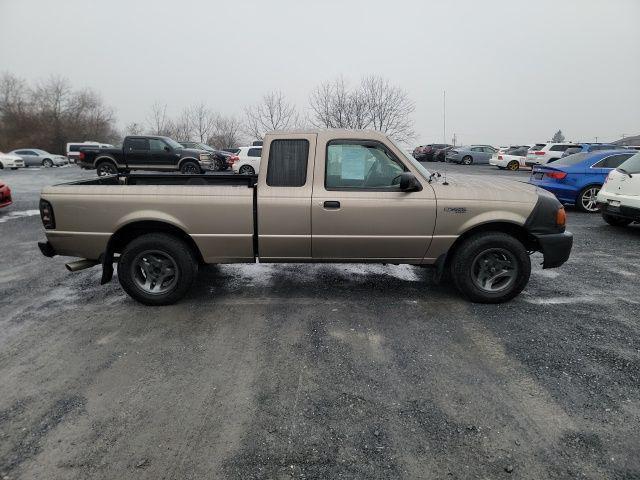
[(34, 157)]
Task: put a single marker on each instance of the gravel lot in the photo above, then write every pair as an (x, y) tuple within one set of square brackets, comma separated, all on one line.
[(318, 371)]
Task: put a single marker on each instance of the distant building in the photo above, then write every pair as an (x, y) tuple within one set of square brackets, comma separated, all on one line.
[(634, 140)]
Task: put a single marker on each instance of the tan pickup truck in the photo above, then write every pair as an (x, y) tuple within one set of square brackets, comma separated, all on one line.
[(321, 196)]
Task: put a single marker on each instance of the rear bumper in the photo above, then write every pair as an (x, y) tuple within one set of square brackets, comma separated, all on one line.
[(622, 211), (555, 247)]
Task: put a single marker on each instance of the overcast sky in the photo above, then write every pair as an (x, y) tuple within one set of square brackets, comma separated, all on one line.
[(514, 71)]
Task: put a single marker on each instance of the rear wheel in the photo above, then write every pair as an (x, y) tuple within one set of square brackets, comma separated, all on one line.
[(467, 160), (157, 269), (491, 267), (105, 168), (616, 221), (246, 170), (513, 165), (47, 163), (587, 199), (190, 168)]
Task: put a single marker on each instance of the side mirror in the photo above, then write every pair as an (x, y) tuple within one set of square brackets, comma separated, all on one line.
[(409, 182), (166, 148)]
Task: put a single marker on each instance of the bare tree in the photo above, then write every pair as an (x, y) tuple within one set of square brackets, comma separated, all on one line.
[(158, 121), (202, 121), (273, 113), (227, 133), (374, 104), (133, 128), (51, 114)]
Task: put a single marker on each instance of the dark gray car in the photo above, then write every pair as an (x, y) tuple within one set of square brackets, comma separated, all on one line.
[(471, 154)]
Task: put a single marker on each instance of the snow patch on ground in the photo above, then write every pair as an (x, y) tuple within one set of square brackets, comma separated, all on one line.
[(19, 214)]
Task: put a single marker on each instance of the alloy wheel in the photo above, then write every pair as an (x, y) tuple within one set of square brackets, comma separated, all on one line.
[(105, 169), (589, 199), (154, 272), (494, 270)]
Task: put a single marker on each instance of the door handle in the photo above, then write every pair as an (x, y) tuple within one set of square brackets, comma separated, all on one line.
[(331, 204)]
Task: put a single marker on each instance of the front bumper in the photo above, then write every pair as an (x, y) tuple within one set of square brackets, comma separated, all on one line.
[(555, 247), (207, 165)]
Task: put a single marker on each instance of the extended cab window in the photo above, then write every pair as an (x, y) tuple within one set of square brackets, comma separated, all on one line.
[(137, 144), (288, 163), (361, 164)]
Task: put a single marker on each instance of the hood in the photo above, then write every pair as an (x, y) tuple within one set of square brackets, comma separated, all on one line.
[(474, 187), (10, 156), (194, 152)]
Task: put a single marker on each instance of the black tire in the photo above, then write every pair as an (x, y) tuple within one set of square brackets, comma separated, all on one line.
[(586, 201), (246, 170), (105, 168), (513, 165), (183, 262), (190, 168), (1, 166), (47, 162), (615, 221), (501, 168), (467, 160), (468, 267)]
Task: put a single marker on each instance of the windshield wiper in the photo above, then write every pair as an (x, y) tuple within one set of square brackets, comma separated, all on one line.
[(624, 171)]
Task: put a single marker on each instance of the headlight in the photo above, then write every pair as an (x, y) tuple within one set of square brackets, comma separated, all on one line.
[(205, 157)]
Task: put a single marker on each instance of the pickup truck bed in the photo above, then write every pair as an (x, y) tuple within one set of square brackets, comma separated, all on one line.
[(322, 196)]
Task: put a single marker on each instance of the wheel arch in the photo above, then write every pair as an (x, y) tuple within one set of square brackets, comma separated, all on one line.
[(103, 158), (187, 159), (511, 228), (132, 230)]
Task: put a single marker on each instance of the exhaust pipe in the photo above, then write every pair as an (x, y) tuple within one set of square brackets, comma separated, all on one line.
[(80, 265)]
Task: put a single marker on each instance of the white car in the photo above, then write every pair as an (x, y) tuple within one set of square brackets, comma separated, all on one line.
[(511, 158), (10, 161), (619, 197), (542, 153), (248, 161)]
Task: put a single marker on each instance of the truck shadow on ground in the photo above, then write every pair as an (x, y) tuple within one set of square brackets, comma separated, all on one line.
[(334, 282)]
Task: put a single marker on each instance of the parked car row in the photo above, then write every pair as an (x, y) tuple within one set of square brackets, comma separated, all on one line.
[(31, 157)]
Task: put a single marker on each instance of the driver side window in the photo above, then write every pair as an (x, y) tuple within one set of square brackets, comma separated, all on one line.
[(361, 165)]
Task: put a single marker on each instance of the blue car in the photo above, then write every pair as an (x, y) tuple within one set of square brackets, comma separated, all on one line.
[(589, 147), (576, 179)]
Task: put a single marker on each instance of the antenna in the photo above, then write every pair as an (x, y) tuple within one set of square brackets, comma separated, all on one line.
[(444, 132)]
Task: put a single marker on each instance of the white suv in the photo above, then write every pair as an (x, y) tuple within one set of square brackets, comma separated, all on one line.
[(248, 162), (542, 153), (619, 197)]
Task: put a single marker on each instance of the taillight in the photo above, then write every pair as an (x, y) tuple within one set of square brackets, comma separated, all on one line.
[(81, 156), (556, 175), (538, 153), (233, 158), (499, 157), (46, 214)]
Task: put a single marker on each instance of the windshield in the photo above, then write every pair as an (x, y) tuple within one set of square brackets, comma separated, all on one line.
[(423, 171), (172, 143), (631, 165)]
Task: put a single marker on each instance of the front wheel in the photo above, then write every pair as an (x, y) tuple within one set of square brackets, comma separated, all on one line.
[(588, 199), (467, 160), (615, 221), (190, 168), (491, 267), (157, 269)]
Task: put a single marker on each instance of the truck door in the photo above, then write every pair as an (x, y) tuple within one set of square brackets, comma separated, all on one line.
[(161, 155), (358, 211), (136, 153), (284, 198)]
